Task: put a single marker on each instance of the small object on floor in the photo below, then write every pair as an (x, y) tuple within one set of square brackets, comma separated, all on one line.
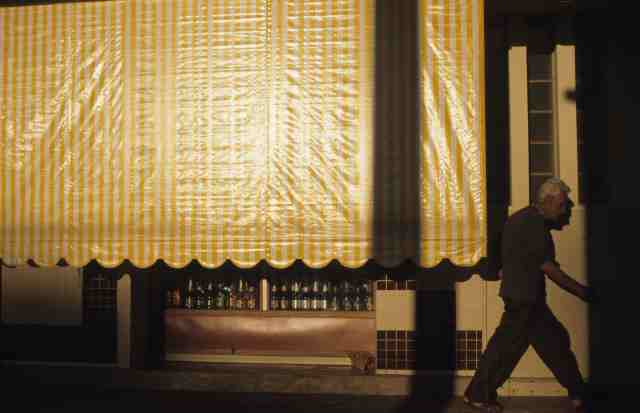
[(362, 361), (578, 406), (489, 407)]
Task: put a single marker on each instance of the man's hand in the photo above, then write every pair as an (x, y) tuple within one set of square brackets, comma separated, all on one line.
[(591, 296), (565, 282)]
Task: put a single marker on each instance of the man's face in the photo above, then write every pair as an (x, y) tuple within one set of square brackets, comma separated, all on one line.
[(556, 206), (564, 219)]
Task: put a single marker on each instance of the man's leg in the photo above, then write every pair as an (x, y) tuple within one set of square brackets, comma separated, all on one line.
[(504, 350), (508, 364), (551, 341)]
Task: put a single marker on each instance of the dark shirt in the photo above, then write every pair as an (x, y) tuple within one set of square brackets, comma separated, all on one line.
[(526, 245)]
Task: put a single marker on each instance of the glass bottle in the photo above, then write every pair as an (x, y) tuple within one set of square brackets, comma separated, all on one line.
[(346, 296), (305, 296), (220, 300), (201, 298), (240, 295), (334, 304), (315, 295), (368, 296), (273, 299), (177, 300), (324, 297), (210, 296), (189, 299), (227, 296), (356, 305), (251, 298), (295, 296), (284, 296), (169, 300), (232, 296)]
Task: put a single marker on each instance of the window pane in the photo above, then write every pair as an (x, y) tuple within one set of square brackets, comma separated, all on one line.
[(539, 96), (540, 127), (540, 108), (539, 66), (541, 158), (99, 297)]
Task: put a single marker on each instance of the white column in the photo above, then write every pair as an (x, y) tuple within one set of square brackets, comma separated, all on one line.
[(571, 241), (519, 127), (565, 116), (124, 321), (518, 153)]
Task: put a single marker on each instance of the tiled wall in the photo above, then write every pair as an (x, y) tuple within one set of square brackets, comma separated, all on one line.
[(396, 350), (399, 350), (430, 338), (468, 349), (396, 285)]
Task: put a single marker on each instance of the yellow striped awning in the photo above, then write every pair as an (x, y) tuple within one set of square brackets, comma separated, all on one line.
[(232, 129)]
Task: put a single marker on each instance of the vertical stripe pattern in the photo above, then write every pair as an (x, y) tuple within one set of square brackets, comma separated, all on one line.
[(453, 189), (241, 130)]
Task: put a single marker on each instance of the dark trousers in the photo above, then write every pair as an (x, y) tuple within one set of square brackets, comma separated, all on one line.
[(525, 324)]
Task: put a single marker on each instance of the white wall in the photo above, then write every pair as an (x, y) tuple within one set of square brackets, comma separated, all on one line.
[(570, 243), (395, 310), (45, 296)]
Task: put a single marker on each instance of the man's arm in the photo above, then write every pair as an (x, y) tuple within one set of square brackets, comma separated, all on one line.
[(565, 281)]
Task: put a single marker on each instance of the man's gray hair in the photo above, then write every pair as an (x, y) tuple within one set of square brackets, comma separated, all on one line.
[(552, 187)]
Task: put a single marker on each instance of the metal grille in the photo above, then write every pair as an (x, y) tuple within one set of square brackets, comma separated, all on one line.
[(397, 350), (468, 349), (99, 297), (541, 112)]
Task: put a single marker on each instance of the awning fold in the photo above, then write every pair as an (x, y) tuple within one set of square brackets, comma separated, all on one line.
[(237, 130)]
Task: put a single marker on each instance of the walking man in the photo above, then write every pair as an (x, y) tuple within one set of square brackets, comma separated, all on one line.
[(528, 253)]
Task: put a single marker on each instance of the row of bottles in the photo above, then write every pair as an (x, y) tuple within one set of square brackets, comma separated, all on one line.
[(284, 295), (316, 295), (218, 295)]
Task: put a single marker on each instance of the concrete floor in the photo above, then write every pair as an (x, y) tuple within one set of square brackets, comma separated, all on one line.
[(185, 388)]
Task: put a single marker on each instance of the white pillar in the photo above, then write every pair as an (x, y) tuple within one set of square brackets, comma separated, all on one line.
[(518, 153), (519, 127), (124, 321), (571, 247), (565, 119)]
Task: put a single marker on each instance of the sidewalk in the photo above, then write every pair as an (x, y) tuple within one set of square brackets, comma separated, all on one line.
[(181, 388)]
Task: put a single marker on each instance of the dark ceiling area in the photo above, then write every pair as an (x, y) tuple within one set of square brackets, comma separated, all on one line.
[(493, 6), (542, 7)]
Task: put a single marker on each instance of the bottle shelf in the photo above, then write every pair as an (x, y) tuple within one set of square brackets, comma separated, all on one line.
[(292, 296), (283, 314)]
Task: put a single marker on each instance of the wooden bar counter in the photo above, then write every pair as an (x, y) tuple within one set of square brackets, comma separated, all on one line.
[(273, 333)]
